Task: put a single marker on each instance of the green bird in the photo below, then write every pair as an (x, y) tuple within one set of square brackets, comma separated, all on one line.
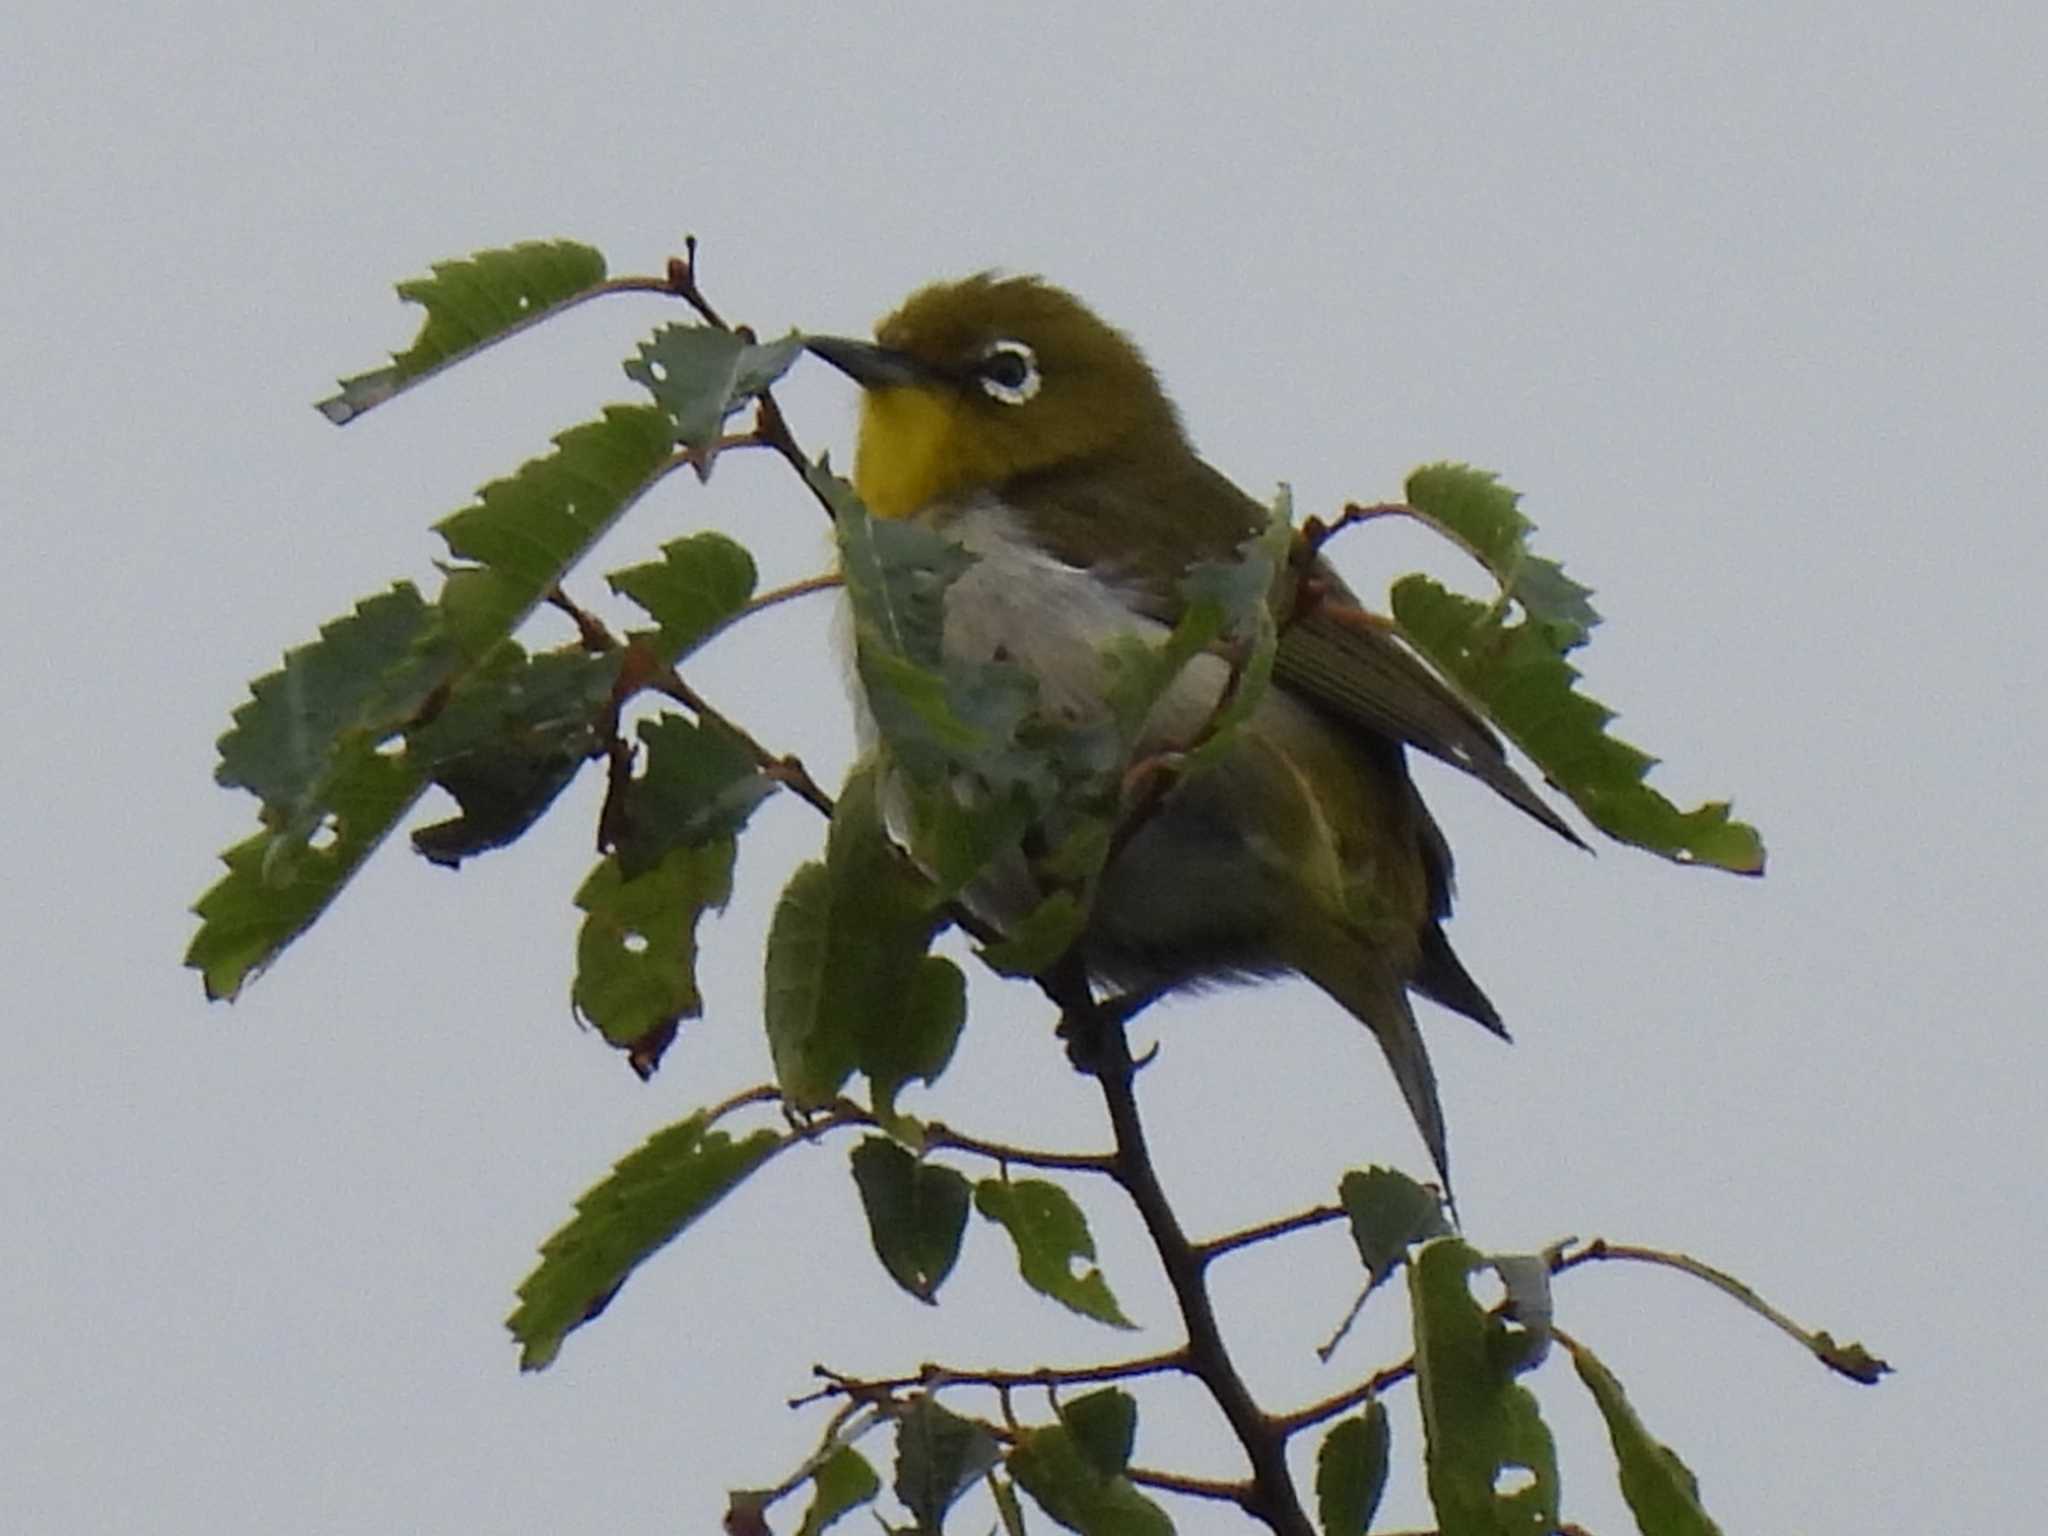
[(1003, 412)]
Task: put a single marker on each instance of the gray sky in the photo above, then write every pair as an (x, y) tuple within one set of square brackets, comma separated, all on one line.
[(1747, 299)]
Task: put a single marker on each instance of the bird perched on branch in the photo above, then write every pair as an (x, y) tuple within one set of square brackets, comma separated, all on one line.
[(1004, 413)]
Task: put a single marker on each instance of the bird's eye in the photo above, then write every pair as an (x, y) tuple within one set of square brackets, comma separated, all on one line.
[(1008, 371)]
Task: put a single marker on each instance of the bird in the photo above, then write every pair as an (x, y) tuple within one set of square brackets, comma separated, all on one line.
[(1004, 413)]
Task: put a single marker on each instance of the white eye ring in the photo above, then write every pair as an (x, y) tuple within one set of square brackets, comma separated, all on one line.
[(1008, 371)]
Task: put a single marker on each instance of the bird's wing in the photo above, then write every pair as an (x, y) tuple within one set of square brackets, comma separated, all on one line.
[(1334, 659)]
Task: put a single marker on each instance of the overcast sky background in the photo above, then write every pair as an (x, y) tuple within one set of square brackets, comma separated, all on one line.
[(1746, 298)]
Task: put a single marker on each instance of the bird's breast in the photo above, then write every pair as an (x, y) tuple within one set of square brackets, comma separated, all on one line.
[(1020, 603)]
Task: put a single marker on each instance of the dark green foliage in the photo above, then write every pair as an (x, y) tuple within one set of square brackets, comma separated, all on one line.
[(842, 1484), (1074, 1469), (849, 985), (1390, 1213), (653, 1194), (1661, 1490), (1517, 673), (939, 1456), (1051, 1236), (1351, 1472), (917, 1214), (636, 953), (1481, 1429), (469, 305)]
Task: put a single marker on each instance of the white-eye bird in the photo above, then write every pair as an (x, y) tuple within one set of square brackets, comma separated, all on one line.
[(1002, 412)]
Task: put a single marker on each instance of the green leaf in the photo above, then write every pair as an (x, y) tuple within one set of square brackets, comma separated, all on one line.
[(510, 737), (939, 1455), (697, 585), (1660, 1489), (1481, 1429), (1051, 1234), (849, 985), (524, 533), (1044, 934), (649, 1199), (355, 685), (700, 785), (1050, 1464), (843, 1483), (1104, 1425), (917, 1214), (1351, 1472), (1518, 675), (470, 304), (1223, 601), (1390, 1213), (636, 953), (700, 374), (1486, 516), (273, 891)]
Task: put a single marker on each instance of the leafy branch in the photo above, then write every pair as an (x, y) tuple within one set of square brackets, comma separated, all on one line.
[(408, 692)]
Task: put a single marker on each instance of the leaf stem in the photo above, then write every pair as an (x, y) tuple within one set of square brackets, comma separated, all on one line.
[(1851, 1360)]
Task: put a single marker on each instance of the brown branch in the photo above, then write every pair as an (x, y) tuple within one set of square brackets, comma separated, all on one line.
[(1301, 1221), (1271, 1497), (787, 770), (1294, 1423), (942, 1137)]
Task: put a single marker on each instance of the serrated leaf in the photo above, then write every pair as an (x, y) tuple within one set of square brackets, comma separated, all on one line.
[(1050, 1465), (849, 984), (1351, 1472), (1487, 517), (1390, 1213), (510, 737), (1051, 1235), (701, 374), (470, 304), (636, 953), (917, 1214), (698, 584), (525, 532), (843, 1483), (939, 1455), (269, 896), (1481, 1429), (1520, 678), (649, 1199), (1661, 1490), (700, 785), (354, 685)]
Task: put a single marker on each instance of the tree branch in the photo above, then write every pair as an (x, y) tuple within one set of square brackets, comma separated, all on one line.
[(1101, 1045)]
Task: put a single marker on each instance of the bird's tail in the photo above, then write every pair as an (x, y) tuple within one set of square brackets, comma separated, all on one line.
[(1377, 997)]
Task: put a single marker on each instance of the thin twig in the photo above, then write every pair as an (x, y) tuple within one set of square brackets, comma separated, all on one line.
[(787, 770), (1328, 1408), (1301, 1221), (941, 1137)]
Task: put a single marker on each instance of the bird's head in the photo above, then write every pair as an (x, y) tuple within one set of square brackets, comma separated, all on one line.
[(972, 384)]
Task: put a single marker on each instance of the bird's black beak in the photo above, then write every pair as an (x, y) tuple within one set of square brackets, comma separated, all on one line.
[(870, 366)]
